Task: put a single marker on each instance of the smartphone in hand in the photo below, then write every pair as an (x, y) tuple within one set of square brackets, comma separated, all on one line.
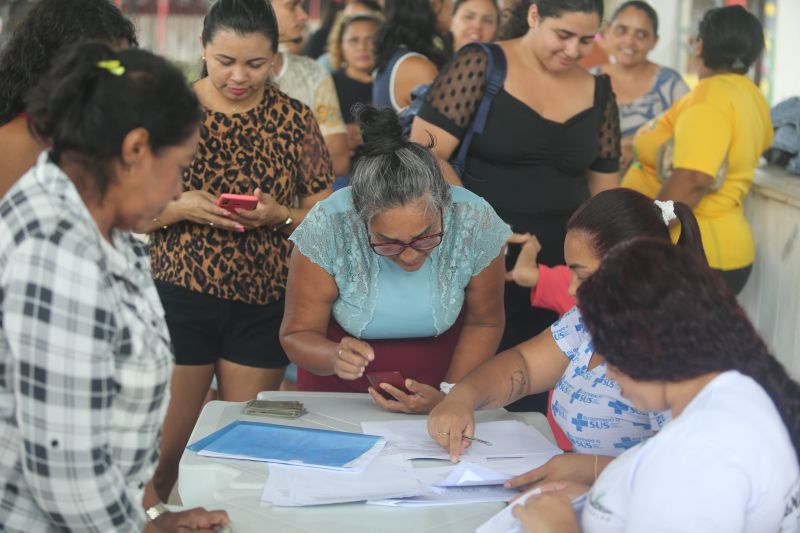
[(237, 201), (392, 377)]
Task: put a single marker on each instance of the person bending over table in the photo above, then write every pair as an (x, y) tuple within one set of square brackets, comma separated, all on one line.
[(85, 355), (586, 404), (674, 337), (399, 272)]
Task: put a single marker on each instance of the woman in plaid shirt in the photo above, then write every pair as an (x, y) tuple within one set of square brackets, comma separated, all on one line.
[(84, 350)]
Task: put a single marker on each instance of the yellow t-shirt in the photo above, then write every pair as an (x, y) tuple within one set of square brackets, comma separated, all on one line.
[(723, 123)]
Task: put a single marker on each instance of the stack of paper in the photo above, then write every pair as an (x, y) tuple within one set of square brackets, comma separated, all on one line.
[(453, 496), (292, 445), (479, 477), (467, 474), (350, 467), (460, 484), (386, 477)]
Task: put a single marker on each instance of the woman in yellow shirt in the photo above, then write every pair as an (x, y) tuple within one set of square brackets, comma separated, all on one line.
[(704, 150)]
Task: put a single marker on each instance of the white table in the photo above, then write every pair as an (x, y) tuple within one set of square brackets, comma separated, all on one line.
[(236, 486)]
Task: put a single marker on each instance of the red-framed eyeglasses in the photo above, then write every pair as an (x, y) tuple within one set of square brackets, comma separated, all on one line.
[(422, 244)]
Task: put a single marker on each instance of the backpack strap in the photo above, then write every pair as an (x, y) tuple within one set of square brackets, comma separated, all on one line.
[(495, 77)]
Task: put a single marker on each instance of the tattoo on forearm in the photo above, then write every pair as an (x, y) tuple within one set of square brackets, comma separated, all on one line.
[(519, 381), (518, 384)]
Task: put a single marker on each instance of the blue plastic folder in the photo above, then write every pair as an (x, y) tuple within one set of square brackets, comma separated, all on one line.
[(275, 443)]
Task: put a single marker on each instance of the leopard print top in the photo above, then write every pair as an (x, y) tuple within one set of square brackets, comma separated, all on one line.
[(276, 146)]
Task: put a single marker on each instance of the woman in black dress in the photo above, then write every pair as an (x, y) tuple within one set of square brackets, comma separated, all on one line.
[(551, 138)]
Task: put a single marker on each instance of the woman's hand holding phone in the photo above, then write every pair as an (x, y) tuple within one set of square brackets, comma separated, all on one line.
[(268, 212), (200, 207), (419, 397)]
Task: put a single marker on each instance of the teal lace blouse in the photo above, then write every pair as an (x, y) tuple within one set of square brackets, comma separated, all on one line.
[(377, 299)]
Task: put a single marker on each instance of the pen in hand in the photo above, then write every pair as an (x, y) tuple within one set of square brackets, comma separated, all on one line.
[(486, 442)]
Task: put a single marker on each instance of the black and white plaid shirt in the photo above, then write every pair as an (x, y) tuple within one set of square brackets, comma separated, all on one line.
[(85, 362)]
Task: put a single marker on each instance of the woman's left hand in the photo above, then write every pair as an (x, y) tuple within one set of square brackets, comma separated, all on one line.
[(550, 511), (268, 212), (566, 467), (422, 399)]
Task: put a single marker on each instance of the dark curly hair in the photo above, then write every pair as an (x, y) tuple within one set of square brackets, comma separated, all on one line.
[(659, 313), (86, 111), (410, 24), (50, 26), (617, 215), (733, 39), (517, 23)]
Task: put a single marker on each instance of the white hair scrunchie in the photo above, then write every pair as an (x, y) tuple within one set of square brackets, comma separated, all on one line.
[(667, 210)]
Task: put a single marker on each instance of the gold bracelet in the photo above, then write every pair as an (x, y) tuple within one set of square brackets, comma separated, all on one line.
[(595, 467)]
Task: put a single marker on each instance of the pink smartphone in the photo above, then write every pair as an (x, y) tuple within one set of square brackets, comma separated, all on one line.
[(237, 201), (392, 377)]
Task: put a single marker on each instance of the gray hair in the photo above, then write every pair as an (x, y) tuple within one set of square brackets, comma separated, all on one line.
[(407, 175)]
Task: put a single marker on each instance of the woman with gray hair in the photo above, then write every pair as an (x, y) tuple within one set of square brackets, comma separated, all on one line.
[(398, 273)]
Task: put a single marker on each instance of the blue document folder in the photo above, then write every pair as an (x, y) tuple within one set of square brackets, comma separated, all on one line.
[(275, 443)]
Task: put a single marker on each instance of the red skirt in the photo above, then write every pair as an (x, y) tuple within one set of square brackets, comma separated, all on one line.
[(423, 359)]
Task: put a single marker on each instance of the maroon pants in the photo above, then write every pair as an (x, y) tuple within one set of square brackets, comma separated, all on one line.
[(423, 359)]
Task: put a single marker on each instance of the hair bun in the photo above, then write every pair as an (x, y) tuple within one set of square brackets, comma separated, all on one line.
[(381, 132)]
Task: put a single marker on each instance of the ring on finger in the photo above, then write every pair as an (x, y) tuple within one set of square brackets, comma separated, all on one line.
[(211, 224), (441, 434)]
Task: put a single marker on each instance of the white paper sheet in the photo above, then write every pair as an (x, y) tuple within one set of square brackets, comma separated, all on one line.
[(471, 491), (466, 474), (504, 521), (385, 477), (516, 465), (436, 476), (452, 496), (509, 438)]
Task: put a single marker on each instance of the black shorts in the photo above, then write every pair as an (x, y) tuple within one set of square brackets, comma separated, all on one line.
[(736, 279), (206, 328)]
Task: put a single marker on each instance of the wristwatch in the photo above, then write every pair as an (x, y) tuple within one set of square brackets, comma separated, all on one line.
[(285, 223), (156, 511)]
